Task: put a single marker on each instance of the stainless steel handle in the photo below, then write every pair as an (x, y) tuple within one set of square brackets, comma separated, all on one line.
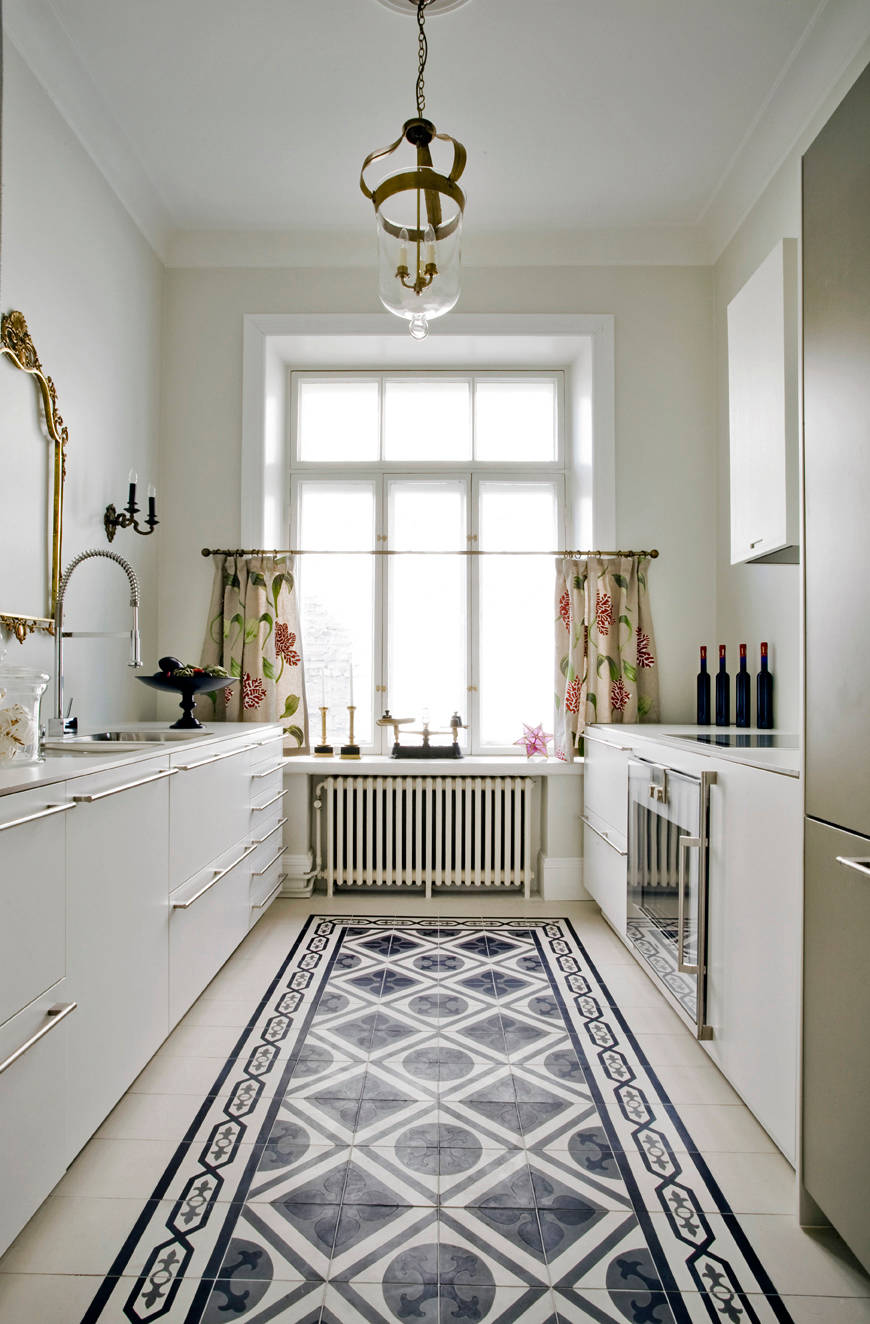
[(57, 1014), (215, 758), (275, 798), (608, 744), (219, 874), (42, 813), (277, 828), (685, 844), (128, 786), (255, 776), (602, 835), (258, 905), (860, 863), (258, 873), (756, 542)]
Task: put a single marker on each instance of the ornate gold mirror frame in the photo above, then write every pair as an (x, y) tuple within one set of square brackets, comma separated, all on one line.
[(17, 346)]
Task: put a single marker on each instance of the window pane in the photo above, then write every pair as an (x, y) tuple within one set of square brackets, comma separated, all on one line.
[(427, 420), (337, 420), (515, 420), (427, 604), (337, 606), (516, 610)]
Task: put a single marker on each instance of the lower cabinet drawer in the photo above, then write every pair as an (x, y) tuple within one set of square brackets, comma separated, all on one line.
[(605, 876), (33, 895), (33, 1077), (267, 875), (208, 918)]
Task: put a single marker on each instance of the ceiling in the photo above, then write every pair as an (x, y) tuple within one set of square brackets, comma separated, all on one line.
[(580, 116)]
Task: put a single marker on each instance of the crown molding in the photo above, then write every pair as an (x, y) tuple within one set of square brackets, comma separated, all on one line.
[(36, 32), (832, 52)]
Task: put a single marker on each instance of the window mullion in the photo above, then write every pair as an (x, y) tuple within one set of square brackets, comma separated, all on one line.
[(472, 634)]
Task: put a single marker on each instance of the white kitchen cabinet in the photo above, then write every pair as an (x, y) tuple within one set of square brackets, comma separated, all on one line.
[(604, 870), (117, 867), (209, 917), (209, 805), (32, 894), (763, 409), (605, 810), (33, 1107), (754, 942)]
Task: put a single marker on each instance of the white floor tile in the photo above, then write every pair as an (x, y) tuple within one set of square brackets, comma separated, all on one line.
[(755, 1183), (828, 1309), (702, 1084), (152, 1117), (117, 1168), (804, 1263), (671, 1050)]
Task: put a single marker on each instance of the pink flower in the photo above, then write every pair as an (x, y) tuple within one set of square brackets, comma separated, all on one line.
[(603, 613), (253, 691), (565, 609), (644, 652), (560, 754), (572, 696), (619, 695), (284, 641)]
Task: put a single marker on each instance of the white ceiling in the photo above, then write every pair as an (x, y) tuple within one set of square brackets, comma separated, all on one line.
[(580, 116)]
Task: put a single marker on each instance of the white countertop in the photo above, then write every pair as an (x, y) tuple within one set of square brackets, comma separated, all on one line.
[(58, 766), (496, 765), (782, 757)]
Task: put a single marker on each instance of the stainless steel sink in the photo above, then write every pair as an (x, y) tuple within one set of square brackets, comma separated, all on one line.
[(123, 739)]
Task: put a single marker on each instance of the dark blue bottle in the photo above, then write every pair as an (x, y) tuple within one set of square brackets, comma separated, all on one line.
[(703, 707), (742, 692), (723, 692), (764, 694)]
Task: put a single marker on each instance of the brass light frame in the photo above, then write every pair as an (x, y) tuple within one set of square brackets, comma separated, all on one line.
[(427, 182), (16, 345)]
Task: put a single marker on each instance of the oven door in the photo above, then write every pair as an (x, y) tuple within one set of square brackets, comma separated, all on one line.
[(668, 832)]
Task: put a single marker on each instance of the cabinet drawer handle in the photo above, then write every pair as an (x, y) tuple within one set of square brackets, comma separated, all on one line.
[(258, 873), (602, 835), (861, 864), (255, 776), (219, 874), (56, 1014), (128, 786), (42, 813), (608, 744), (258, 905), (215, 758), (756, 542), (684, 844), (276, 828), (255, 809)]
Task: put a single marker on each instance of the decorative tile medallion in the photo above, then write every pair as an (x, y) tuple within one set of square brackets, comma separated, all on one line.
[(435, 1121)]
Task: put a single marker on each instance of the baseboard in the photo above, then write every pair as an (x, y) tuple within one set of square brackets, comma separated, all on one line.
[(561, 878), (298, 880)]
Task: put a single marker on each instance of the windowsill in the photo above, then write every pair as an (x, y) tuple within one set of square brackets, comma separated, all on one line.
[(496, 765)]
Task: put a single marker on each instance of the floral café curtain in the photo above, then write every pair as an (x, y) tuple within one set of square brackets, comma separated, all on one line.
[(605, 649), (253, 632)]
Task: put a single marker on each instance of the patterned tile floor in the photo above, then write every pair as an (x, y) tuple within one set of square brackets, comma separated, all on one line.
[(429, 1118)]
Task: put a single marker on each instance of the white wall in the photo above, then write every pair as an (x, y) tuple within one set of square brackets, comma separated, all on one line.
[(665, 423), (91, 289), (762, 602)]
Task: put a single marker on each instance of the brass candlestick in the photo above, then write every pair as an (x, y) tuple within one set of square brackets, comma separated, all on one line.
[(350, 750), (323, 751)]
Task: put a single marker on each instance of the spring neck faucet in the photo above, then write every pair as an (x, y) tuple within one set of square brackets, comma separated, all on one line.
[(57, 724)]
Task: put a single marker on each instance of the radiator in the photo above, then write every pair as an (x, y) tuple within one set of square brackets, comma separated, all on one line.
[(443, 832)]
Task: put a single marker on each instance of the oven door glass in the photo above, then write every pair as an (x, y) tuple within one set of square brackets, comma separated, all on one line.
[(664, 852)]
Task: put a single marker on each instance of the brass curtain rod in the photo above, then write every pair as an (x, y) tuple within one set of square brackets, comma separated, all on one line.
[(386, 551)]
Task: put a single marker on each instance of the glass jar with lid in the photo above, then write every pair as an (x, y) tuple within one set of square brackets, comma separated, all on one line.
[(21, 689)]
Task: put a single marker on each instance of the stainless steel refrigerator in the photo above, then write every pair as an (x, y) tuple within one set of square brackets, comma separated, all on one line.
[(835, 1169)]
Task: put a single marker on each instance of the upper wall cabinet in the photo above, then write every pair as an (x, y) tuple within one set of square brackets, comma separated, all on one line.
[(763, 411)]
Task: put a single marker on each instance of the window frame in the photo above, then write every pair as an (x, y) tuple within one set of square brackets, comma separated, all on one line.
[(384, 472)]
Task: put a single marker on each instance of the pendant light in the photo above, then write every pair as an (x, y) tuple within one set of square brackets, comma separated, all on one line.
[(419, 217)]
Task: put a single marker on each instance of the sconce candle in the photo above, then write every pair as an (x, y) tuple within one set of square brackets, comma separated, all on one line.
[(126, 519)]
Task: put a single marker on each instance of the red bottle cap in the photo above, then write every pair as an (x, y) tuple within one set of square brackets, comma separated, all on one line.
[(742, 650), (721, 650), (764, 650), (703, 652)]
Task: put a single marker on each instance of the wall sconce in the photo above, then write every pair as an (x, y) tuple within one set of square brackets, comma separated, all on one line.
[(126, 519)]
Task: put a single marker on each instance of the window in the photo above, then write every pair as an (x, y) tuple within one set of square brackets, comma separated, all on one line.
[(425, 466)]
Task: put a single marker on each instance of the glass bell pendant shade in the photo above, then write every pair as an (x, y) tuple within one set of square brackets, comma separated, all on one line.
[(418, 262)]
